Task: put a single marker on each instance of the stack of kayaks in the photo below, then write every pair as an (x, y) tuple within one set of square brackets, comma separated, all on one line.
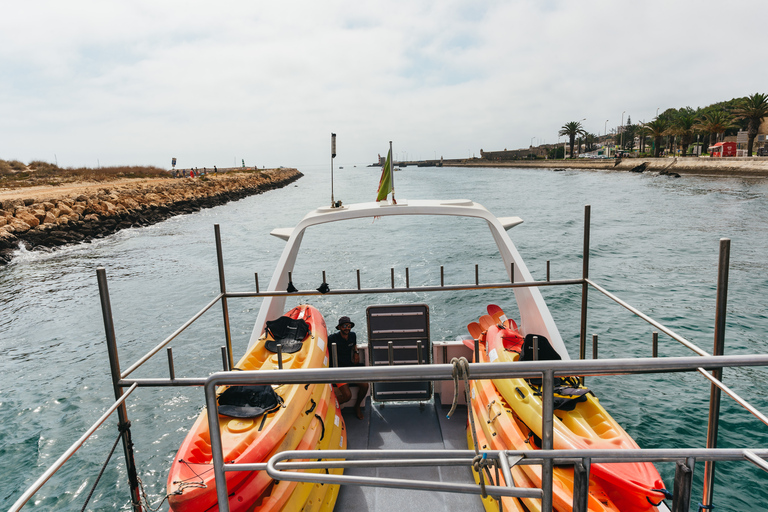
[(302, 417), (508, 416)]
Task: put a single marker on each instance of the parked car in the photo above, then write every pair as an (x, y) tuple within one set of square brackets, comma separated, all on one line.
[(762, 151)]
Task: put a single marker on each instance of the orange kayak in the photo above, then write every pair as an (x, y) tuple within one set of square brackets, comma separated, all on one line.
[(633, 487), (504, 431), (191, 483)]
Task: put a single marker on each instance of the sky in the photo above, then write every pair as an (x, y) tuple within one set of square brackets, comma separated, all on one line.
[(111, 82)]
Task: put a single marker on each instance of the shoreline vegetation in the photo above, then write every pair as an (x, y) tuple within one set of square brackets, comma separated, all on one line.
[(54, 209)]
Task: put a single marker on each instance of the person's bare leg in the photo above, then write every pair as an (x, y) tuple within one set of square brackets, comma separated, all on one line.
[(362, 390), (343, 394)]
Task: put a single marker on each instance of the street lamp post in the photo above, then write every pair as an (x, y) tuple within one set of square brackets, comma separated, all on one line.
[(605, 127)]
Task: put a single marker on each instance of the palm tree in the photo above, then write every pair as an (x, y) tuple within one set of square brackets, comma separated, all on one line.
[(715, 122), (572, 130), (752, 108), (682, 125), (657, 129)]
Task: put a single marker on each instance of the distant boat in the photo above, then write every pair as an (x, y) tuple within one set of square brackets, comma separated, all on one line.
[(340, 167), (397, 168)]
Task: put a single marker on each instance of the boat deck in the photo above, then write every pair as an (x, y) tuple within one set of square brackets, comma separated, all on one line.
[(412, 426)]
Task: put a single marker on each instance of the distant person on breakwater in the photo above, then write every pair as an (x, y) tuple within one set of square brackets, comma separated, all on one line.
[(347, 354), (215, 170)]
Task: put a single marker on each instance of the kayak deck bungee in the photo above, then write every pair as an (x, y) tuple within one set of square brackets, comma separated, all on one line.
[(191, 483), (632, 486), (504, 431)]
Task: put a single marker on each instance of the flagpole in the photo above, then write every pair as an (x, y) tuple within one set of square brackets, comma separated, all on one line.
[(333, 155), (392, 171)]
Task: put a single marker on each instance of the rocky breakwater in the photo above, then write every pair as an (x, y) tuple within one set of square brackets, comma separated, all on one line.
[(94, 211)]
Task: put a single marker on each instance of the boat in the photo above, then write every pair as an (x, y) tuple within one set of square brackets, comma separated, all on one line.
[(252, 433), (405, 454)]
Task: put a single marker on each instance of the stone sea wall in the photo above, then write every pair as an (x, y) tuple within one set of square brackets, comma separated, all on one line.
[(95, 212), (755, 167)]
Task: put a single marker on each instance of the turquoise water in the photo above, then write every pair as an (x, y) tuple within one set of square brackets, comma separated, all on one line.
[(654, 243)]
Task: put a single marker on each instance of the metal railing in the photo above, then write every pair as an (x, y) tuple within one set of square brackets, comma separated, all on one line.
[(547, 457)]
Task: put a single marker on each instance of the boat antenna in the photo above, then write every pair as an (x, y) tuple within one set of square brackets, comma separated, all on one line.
[(333, 155), (392, 171)]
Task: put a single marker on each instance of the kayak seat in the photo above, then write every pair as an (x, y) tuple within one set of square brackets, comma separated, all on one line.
[(568, 391), (546, 352), (289, 332), (248, 401)]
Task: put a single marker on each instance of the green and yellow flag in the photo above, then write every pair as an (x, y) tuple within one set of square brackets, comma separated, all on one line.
[(385, 183)]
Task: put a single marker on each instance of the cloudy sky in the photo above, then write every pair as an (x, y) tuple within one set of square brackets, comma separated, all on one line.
[(89, 82)]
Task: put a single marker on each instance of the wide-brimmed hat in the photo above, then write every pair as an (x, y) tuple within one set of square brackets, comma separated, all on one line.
[(344, 320)]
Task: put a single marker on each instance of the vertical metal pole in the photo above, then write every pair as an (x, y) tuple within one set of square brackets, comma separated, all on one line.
[(358, 279), (594, 346), (256, 275), (535, 348), (655, 344), (547, 270), (547, 437), (584, 286), (335, 355), (512, 273), (171, 370), (280, 356), (477, 274), (581, 486), (407, 278), (114, 366), (224, 359), (477, 351), (442, 276), (418, 352), (391, 353), (217, 453), (682, 489), (714, 393), (223, 286), (333, 155), (392, 276)]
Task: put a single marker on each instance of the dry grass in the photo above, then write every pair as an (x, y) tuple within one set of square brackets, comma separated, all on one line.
[(15, 174)]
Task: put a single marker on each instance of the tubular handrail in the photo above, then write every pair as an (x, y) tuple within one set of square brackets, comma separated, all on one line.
[(449, 287), (672, 334), (170, 338), (67, 454)]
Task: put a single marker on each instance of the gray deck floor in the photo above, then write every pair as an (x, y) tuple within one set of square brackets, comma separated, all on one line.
[(392, 427)]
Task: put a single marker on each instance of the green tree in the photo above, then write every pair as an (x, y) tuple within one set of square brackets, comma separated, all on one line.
[(571, 130), (590, 141), (657, 129), (682, 126), (557, 153), (753, 109), (714, 122)]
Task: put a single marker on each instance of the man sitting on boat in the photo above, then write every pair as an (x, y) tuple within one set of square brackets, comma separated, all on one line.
[(347, 355)]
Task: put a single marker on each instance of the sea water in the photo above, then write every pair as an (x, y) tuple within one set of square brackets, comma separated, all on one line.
[(654, 242)]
